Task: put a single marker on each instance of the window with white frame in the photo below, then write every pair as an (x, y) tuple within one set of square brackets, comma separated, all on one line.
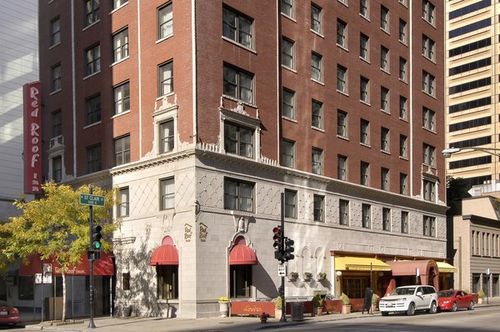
[(428, 11), (165, 78), (366, 215), (167, 193), (122, 150), (429, 155), (403, 107), (317, 114), (428, 119), (385, 142), (166, 136), (364, 47), (120, 45), (316, 67), (287, 153), (429, 190), (288, 103), (287, 7), (364, 132), (403, 184), (342, 167), (404, 222), (238, 139), (429, 226), (317, 161), (364, 173), (384, 99), (386, 219), (287, 52), (92, 60), (316, 18), (403, 146), (428, 48), (93, 109), (344, 212), (384, 18), (165, 21), (319, 208), (384, 58), (428, 83), (363, 8), (402, 69), (91, 11), (403, 31), (238, 84), (290, 203), (57, 169), (123, 205), (364, 89), (55, 78), (238, 27), (55, 31), (122, 98), (384, 178), (342, 128), (341, 33), (119, 3), (238, 195), (341, 79)]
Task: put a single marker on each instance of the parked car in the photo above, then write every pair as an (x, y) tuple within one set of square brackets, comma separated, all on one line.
[(9, 315), (408, 299), (452, 300)]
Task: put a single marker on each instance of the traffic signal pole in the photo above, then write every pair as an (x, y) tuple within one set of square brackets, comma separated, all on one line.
[(91, 263), (282, 288)]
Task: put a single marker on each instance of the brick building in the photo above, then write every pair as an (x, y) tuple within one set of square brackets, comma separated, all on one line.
[(203, 112)]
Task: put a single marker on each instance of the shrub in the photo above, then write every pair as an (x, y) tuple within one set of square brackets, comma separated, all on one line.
[(278, 303), (481, 293), (317, 301), (375, 298), (345, 299)]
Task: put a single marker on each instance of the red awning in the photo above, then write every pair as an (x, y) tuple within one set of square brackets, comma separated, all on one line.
[(165, 255), (409, 268), (102, 267), (241, 254)]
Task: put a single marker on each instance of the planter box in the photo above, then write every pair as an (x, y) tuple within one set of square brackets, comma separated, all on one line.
[(333, 306), (247, 308)]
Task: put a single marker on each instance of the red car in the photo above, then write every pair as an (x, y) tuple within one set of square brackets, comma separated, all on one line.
[(452, 300), (9, 315)]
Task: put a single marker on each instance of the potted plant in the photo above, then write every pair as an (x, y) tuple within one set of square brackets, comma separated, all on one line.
[(317, 304), (321, 276), (278, 306), (308, 276), (480, 296), (375, 299), (346, 304), (223, 306), (293, 276)]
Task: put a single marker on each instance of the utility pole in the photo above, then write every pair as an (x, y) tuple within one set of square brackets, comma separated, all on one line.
[(282, 288)]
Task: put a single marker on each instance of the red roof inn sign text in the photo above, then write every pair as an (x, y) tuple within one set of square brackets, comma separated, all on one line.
[(32, 138)]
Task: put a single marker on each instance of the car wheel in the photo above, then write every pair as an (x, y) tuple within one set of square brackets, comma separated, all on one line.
[(454, 307), (471, 305), (433, 308), (411, 310), (385, 313)]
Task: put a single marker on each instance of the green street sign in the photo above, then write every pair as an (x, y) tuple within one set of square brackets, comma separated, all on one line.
[(87, 199)]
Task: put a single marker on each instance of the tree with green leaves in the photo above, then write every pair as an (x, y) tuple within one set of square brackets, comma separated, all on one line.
[(56, 227)]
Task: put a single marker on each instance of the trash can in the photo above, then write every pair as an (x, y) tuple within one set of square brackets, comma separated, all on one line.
[(297, 311)]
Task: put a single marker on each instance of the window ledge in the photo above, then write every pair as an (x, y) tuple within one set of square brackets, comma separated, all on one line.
[(404, 158), (121, 60), (385, 112), (239, 45), (429, 130), (164, 38), (54, 45), (118, 8), (170, 301), (430, 59), (241, 101), (364, 60), (289, 119), (403, 42), (403, 119), (92, 125), (54, 92), (289, 17), (365, 17), (403, 81), (289, 69), (367, 103), (165, 96), (343, 47), (386, 152), (385, 70), (345, 138), (120, 114), (343, 93), (365, 145), (428, 94), (91, 25), (386, 31), (316, 81), (318, 129), (317, 33), (91, 75)]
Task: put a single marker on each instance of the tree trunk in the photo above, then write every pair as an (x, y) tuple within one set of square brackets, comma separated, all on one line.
[(64, 297)]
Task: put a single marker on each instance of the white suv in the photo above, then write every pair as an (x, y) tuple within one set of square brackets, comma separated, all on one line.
[(408, 299)]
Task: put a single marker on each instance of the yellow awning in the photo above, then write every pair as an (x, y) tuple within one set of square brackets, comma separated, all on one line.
[(446, 268), (349, 263)]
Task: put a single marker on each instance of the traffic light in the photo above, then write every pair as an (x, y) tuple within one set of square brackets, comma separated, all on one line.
[(96, 237), (289, 249), (277, 244)]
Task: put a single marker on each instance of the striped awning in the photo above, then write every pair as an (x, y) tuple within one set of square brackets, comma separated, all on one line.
[(350, 263)]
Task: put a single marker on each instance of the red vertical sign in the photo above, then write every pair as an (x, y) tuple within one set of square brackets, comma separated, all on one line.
[(32, 138)]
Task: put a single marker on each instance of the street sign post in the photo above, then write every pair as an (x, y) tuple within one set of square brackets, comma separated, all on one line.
[(282, 270), (92, 200)]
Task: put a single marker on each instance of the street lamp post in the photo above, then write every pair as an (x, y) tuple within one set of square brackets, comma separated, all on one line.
[(450, 151)]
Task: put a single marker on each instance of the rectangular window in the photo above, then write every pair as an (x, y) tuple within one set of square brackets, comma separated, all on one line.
[(94, 163), (363, 8), (386, 219), (122, 150), (366, 215), (126, 281), (384, 58), (342, 123), (166, 135), (341, 79), (238, 140), (289, 104), (238, 195), (402, 31), (315, 18), (316, 67), (167, 193), (428, 48), (364, 89), (55, 78), (319, 208), (237, 27), (344, 212), (119, 3), (57, 169), (429, 190), (93, 109), (123, 207), (317, 161), (364, 132), (403, 146), (317, 114), (403, 107), (93, 60), (167, 282), (55, 31), (165, 21), (121, 95), (120, 45), (429, 226), (342, 167), (384, 99), (428, 11), (290, 204), (403, 185), (165, 78), (429, 155), (288, 153), (91, 11), (287, 52), (25, 288), (341, 33), (56, 123), (402, 69), (404, 222), (428, 83), (287, 7), (384, 179), (364, 47), (429, 119), (384, 18), (364, 173), (238, 84), (385, 142)]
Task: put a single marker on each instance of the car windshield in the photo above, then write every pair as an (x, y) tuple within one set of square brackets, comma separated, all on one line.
[(445, 294), (404, 291)]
